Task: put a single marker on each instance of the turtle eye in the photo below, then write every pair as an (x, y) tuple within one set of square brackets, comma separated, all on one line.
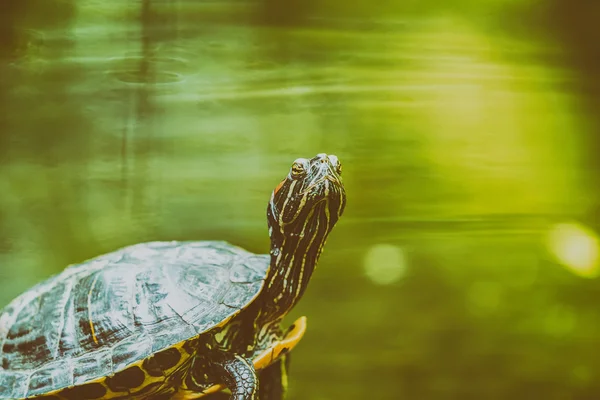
[(298, 169)]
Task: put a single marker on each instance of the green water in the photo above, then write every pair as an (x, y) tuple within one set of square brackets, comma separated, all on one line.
[(463, 147)]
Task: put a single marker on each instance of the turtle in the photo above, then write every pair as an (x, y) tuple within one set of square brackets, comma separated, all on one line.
[(174, 320)]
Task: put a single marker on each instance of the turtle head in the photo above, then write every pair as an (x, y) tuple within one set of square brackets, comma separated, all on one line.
[(306, 205), (302, 211)]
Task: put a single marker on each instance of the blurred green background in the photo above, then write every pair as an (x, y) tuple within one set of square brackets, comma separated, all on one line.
[(465, 266)]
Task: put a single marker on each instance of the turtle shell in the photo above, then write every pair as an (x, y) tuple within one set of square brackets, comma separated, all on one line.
[(96, 318)]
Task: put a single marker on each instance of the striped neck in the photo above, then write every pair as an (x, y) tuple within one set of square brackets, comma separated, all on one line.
[(303, 209), (293, 260)]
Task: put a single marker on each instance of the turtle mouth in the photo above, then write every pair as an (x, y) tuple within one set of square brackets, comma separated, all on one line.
[(324, 181)]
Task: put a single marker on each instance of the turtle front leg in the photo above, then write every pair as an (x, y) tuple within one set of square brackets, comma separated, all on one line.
[(273, 382), (238, 374)]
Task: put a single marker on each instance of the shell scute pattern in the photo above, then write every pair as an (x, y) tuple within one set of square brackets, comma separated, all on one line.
[(98, 318), (51, 376), (15, 382), (135, 348), (97, 363)]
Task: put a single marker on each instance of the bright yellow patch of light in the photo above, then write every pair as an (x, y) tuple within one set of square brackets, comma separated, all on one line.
[(481, 119), (385, 264), (576, 248)]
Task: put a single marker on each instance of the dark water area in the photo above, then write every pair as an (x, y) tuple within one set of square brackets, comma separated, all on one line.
[(466, 264)]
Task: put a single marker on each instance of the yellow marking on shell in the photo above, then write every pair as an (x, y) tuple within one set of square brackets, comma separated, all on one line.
[(89, 303), (110, 394), (148, 379), (261, 361)]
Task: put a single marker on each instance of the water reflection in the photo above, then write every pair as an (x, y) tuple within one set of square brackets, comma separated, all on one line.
[(463, 150)]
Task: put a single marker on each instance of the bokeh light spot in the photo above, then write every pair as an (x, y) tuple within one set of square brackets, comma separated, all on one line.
[(575, 247), (385, 264)]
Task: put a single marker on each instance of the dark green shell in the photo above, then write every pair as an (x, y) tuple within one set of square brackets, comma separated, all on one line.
[(96, 318)]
